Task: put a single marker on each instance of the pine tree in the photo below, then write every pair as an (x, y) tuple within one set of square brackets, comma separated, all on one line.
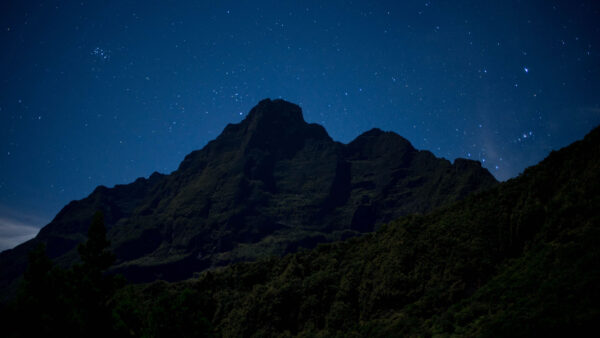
[(44, 299), (67, 303), (35, 298), (94, 253), (94, 288)]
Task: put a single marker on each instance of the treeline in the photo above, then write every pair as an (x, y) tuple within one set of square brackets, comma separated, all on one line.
[(80, 301)]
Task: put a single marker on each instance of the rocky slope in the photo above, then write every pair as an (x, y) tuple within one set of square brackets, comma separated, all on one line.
[(519, 260), (266, 186)]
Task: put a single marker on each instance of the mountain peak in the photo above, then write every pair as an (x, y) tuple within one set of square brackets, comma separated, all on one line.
[(275, 111), (277, 125), (376, 143), (266, 185)]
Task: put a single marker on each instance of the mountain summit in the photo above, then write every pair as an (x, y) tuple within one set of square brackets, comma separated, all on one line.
[(265, 186)]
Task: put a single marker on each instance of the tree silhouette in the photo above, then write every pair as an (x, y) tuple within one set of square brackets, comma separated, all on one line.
[(44, 298), (35, 297), (66, 302), (94, 253), (92, 286)]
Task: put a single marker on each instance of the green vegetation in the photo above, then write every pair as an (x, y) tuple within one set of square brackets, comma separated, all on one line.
[(73, 302), (518, 260), (81, 301)]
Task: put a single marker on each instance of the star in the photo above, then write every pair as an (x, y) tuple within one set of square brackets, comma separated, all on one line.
[(526, 70)]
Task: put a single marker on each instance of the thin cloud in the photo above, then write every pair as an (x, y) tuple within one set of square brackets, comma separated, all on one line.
[(23, 216), (13, 233)]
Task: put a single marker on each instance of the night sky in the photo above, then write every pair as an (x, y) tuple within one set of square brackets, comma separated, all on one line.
[(103, 92)]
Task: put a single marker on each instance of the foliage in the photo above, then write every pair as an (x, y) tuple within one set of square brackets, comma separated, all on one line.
[(42, 299), (160, 312), (518, 260), (73, 302)]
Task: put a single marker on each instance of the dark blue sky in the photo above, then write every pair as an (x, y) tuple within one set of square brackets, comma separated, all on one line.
[(104, 92)]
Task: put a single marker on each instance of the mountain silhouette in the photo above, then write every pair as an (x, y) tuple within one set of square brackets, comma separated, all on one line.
[(518, 260), (265, 186)]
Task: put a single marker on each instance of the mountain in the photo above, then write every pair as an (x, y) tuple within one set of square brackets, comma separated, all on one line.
[(265, 186), (519, 260)]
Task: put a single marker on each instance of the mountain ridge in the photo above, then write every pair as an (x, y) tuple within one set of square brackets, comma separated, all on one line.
[(266, 185), (520, 259)]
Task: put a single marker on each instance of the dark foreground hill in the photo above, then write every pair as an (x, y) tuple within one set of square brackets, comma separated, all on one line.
[(521, 259), (266, 186)]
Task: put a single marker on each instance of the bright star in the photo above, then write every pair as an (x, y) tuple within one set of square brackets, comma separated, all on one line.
[(526, 69)]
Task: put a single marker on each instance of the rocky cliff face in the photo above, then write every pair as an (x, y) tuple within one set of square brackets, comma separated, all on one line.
[(519, 260), (267, 185)]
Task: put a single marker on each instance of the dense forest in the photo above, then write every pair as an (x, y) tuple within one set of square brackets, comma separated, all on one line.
[(520, 259)]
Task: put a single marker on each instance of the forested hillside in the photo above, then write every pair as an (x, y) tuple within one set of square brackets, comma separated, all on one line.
[(521, 259)]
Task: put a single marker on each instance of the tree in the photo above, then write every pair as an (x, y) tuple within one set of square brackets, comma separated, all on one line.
[(35, 298), (67, 303), (43, 298), (94, 253), (94, 287)]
